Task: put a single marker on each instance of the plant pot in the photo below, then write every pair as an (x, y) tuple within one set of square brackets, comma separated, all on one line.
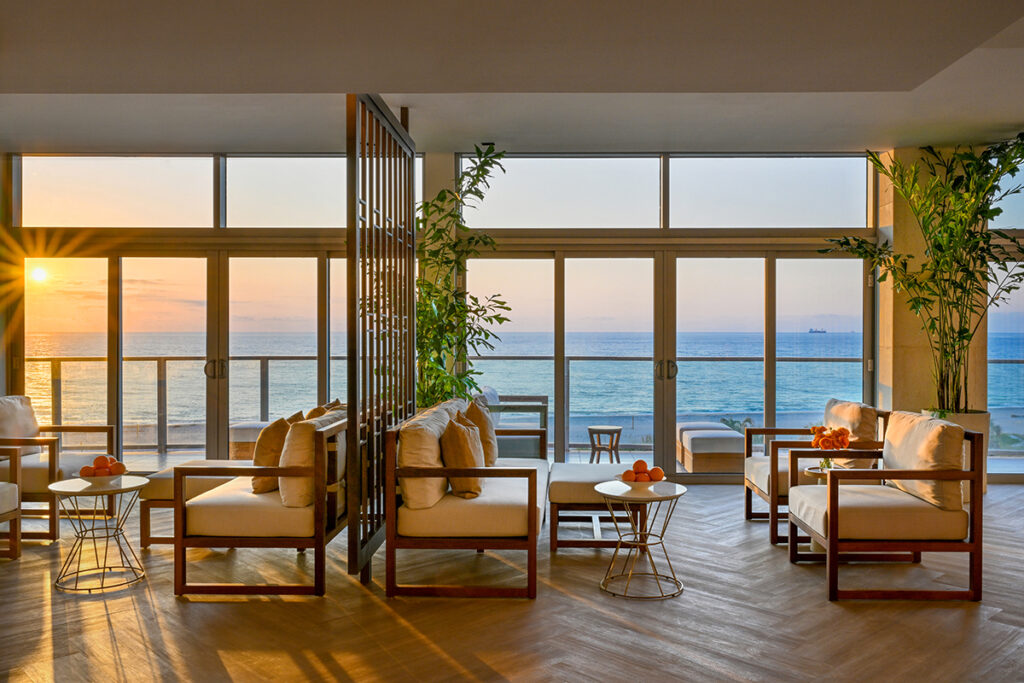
[(973, 421)]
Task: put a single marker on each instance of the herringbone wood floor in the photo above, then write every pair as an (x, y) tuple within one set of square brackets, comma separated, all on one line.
[(746, 614)]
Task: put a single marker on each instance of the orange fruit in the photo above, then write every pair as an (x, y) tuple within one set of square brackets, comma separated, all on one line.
[(100, 461), (102, 472), (657, 474), (643, 476), (87, 471), (640, 466), (118, 468), (629, 475)]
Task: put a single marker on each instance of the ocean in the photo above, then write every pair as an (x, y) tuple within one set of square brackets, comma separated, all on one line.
[(607, 390)]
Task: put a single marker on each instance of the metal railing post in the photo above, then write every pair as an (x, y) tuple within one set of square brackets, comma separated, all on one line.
[(264, 389), (161, 406)]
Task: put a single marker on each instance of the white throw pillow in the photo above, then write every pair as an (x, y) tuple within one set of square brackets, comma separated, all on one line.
[(862, 422), (18, 420)]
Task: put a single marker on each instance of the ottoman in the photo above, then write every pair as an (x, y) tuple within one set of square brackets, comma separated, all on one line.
[(571, 490), (159, 492), (242, 439), (712, 450)]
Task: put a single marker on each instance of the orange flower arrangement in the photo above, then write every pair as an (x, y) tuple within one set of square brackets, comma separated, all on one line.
[(830, 439)]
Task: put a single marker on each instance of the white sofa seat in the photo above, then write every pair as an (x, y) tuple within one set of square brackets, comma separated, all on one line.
[(35, 469), (232, 509), (878, 512), (161, 484), (499, 510), (713, 441), (573, 482), (9, 497)]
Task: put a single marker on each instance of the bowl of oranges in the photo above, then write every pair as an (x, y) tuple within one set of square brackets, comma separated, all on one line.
[(103, 469), (640, 477)]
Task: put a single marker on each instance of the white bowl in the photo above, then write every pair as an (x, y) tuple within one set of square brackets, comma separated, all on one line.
[(102, 480), (636, 484)]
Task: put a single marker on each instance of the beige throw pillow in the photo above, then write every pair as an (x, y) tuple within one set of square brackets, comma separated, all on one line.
[(480, 416), (300, 451), (862, 422), (297, 417), (419, 445), (316, 412), (461, 447), (918, 442), (267, 453)]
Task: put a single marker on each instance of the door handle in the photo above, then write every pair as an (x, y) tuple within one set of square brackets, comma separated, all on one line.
[(659, 369), (673, 369), (223, 365), (210, 369)]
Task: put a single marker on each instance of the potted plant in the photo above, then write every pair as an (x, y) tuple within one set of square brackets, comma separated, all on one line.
[(451, 323), (966, 267)]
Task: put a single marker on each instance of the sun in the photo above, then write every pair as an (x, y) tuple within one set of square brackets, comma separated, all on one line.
[(39, 274)]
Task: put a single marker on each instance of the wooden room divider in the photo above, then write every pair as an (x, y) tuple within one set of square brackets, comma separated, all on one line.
[(381, 311)]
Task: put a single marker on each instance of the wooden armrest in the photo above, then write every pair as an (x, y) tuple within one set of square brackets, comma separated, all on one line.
[(777, 431), (943, 475), (13, 469), (28, 440), (255, 471), (419, 472), (797, 454), (77, 428)]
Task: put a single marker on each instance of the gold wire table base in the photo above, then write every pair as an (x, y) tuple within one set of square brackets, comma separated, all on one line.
[(629, 580), (117, 565)]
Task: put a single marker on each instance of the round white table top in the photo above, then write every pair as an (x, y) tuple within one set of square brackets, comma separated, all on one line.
[(605, 428), (90, 487), (662, 490)]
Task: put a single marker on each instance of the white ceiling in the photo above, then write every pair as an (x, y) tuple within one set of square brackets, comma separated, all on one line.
[(535, 75)]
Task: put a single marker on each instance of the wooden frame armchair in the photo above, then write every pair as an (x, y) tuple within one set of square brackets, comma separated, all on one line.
[(839, 550), (326, 522), (12, 516), (396, 541), (774, 496), (51, 445)]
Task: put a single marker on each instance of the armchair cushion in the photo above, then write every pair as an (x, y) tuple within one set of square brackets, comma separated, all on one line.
[(478, 414), (757, 468), (161, 484), (419, 445), (918, 442), (300, 451), (499, 511), (684, 427), (269, 445), (573, 482), (232, 509), (862, 421), (35, 469), (461, 447), (9, 497), (17, 419), (878, 513)]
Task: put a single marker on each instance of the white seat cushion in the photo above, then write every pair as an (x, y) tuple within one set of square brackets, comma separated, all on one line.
[(232, 509), (713, 441), (573, 482), (684, 427), (9, 497), (499, 510), (161, 484), (878, 513), (757, 468), (35, 470)]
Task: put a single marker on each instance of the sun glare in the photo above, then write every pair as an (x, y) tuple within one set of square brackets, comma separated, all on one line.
[(38, 274)]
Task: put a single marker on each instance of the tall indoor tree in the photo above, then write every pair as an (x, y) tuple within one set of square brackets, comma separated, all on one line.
[(451, 323), (966, 267)]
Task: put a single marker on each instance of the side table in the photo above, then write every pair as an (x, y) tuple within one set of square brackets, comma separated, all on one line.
[(649, 511), (114, 567)]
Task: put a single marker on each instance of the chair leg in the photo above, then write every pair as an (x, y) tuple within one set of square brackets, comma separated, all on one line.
[(792, 542), (553, 524), (832, 569), (531, 569), (773, 524), (144, 530), (390, 571), (748, 504), (54, 518), (975, 575), (366, 573), (179, 569), (320, 570)]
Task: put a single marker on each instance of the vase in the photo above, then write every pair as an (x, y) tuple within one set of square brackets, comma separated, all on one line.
[(973, 421)]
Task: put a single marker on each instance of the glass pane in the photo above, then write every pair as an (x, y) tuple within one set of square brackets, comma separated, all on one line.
[(525, 369), (572, 193), (164, 338), (1012, 217), (272, 343), (117, 192), (339, 329), (768, 192), (819, 307), (66, 345), (1006, 385), (720, 318), (609, 348), (287, 192)]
